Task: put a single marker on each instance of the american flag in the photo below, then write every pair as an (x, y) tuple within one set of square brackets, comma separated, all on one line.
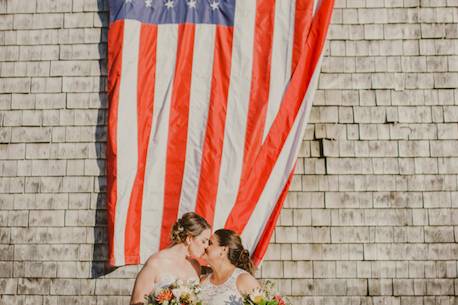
[(208, 102)]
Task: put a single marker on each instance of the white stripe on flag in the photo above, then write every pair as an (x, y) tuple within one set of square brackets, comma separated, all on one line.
[(237, 110), (153, 192), (282, 52), (316, 5), (202, 67), (281, 171), (126, 133)]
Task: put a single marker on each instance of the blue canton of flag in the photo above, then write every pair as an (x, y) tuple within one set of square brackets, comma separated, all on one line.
[(219, 12)]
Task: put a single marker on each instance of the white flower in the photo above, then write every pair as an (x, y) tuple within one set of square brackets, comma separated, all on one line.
[(181, 290), (257, 295), (197, 289), (158, 290), (193, 283)]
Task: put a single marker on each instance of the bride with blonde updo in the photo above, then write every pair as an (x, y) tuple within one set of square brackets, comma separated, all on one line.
[(189, 239)]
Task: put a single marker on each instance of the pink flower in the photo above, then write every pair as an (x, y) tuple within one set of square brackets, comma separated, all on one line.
[(279, 299)]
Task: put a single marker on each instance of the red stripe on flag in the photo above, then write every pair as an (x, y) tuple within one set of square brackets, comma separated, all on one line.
[(214, 137), (178, 130), (145, 98), (302, 22), (253, 185), (260, 82), (264, 241), (115, 40)]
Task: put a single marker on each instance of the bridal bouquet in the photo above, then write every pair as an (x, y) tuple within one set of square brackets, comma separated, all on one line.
[(264, 296), (178, 293)]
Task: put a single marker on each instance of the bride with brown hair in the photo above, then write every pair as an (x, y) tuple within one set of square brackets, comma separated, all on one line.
[(232, 275), (190, 236)]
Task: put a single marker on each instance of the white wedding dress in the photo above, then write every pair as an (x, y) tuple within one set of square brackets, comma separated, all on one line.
[(223, 294), (165, 281)]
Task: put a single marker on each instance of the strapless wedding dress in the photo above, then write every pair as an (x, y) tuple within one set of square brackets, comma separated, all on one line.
[(223, 294), (165, 281)]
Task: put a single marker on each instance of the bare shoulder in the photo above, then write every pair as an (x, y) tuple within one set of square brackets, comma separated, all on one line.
[(160, 259), (246, 283), (153, 261), (149, 271), (145, 281)]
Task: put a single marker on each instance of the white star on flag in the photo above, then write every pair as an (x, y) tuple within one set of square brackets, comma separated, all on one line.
[(214, 5), (148, 3), (192, 3), (169, 4)]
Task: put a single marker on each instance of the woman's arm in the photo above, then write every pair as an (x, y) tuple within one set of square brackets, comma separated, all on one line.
[(246, 283), (144, 283)]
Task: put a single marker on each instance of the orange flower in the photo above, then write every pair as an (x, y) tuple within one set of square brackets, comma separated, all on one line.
[(164, 295)]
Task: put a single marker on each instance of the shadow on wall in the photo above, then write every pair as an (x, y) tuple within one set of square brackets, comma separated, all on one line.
[(100, 248)]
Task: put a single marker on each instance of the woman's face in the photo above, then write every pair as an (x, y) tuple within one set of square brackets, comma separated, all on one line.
[(214, 251), (198, 244)]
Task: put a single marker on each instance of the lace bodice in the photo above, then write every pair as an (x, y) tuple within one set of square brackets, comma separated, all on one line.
[(224, 294)]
